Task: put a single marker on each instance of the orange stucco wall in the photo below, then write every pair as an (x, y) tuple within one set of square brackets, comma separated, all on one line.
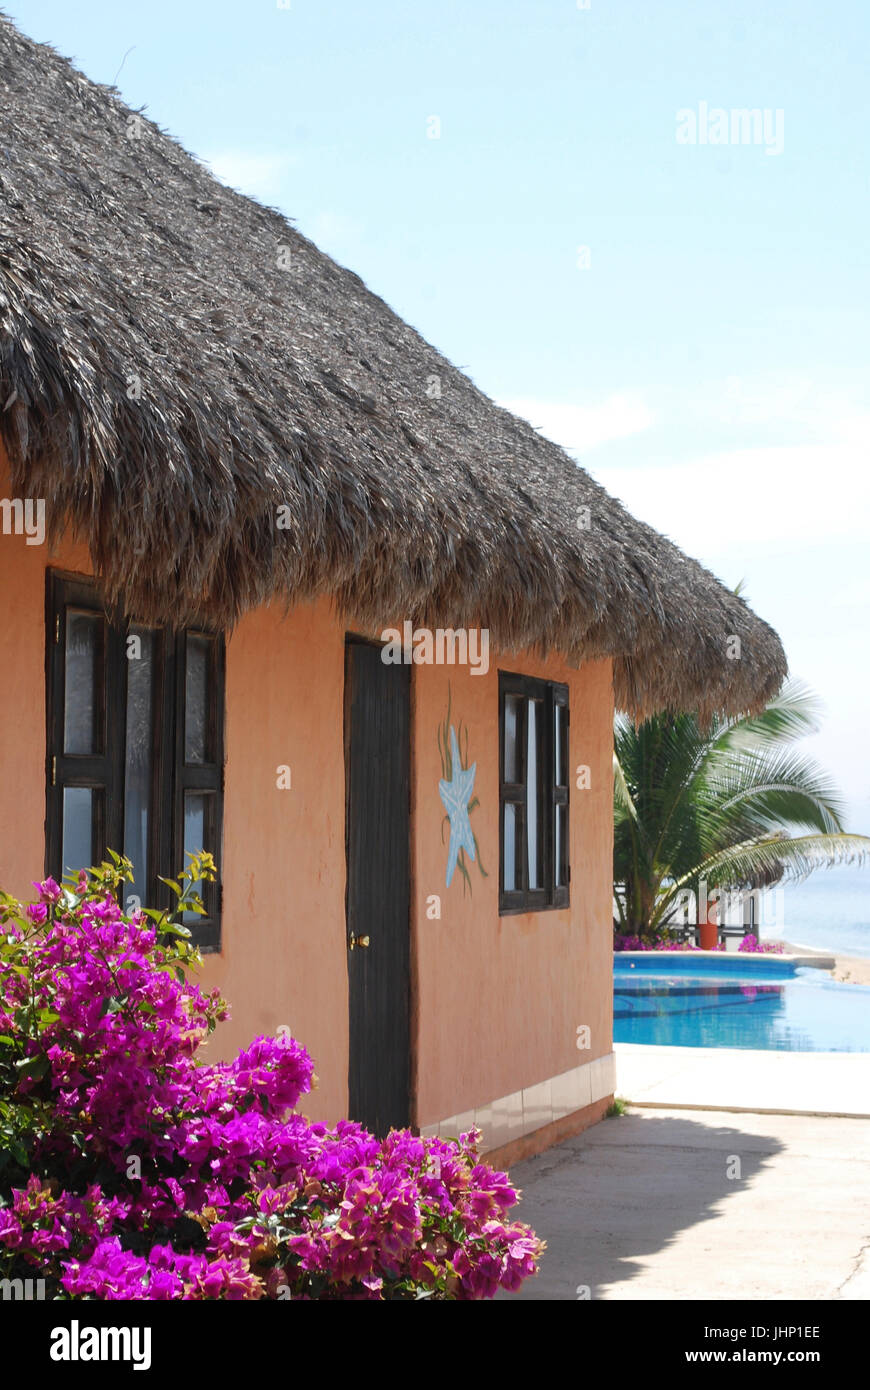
[(284, 956), (497, 1001)]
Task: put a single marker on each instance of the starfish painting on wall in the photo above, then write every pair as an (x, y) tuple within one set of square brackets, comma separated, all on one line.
[(455, 789)]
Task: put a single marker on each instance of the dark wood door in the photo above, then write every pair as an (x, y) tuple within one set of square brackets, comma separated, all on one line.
[(377, 764)]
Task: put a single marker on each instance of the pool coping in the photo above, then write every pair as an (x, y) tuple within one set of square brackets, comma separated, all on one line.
[(748, 958)]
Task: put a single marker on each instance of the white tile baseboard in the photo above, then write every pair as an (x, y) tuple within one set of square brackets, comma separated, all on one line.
[(511, 1117)]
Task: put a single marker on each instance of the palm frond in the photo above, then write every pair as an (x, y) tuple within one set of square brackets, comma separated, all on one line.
[(623, 798), (794, 713), (790, 857), (776, 788)]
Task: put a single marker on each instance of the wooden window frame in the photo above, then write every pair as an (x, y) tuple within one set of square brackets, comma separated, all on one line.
[(551, 895), (171, 776)]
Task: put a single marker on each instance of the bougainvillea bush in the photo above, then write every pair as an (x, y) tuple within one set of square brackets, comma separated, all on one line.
[(664, 942), (750, 944), (131, 1169)]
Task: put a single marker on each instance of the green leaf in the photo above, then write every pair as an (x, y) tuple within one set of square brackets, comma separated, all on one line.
[(32, 1067)]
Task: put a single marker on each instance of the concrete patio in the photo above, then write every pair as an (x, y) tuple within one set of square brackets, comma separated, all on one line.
[(680, 1204)]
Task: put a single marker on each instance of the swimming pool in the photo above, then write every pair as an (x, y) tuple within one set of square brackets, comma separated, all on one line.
[(768, 1004)]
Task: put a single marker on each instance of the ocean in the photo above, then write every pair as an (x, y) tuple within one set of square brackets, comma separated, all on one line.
[(829, 911)]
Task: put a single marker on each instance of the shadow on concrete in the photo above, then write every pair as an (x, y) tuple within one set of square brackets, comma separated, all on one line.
[(625, 1189)]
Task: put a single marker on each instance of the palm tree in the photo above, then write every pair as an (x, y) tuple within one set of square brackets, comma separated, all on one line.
[(732, 804)]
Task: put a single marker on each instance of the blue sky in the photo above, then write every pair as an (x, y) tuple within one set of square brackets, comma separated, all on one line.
[(710, 363)]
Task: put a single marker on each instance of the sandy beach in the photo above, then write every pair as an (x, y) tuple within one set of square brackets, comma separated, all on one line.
[(853, 970)]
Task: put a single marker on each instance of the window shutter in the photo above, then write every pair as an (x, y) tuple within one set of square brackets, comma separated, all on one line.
[(83, 745), (198, 772)]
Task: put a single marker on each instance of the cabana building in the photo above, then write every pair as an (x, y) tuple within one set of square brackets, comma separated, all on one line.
[(278, 581)]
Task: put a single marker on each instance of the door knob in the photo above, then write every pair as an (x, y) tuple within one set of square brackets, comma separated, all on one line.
[(361, 941)]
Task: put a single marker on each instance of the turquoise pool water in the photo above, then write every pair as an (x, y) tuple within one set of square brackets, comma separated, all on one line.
[(766, 1005)]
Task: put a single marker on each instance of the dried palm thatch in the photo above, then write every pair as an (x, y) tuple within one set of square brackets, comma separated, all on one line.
[(272, 378)]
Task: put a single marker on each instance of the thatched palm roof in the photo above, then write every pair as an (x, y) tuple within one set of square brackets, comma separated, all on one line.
[(262, 387)]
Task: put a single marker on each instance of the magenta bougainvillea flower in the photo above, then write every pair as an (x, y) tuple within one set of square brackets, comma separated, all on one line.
[(752, 944), (131, 1169)]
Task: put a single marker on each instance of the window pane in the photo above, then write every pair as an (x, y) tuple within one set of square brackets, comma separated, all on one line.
[(196, 699), (83, 680), (534, 798), (511, 734), (138, 756), (196, 832), (561, 846), (561, 746), (510, 848), (77, 848)]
